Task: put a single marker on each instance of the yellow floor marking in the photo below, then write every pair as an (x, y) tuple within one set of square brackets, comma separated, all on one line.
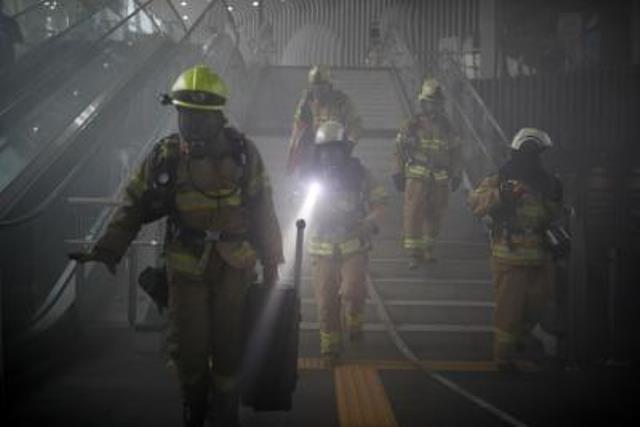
[(311, 363), (361, 398)]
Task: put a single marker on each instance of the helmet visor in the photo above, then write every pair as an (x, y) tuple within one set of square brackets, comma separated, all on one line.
[(320, 90), (331, 156), (199, 125)]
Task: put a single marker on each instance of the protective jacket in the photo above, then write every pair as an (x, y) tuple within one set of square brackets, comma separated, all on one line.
[(517, 225), (427, 151), (220, 204), (311, 113), (345, 205)]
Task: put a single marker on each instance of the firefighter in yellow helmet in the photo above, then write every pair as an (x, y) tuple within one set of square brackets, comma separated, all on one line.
[(427, 164), (523, 202), (210, 183), (350, 207), (320, 102)]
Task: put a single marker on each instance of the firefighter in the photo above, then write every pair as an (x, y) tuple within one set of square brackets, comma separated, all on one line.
[(523, 201), (350, 208), (320, 102), (427, 164), (211, 184)]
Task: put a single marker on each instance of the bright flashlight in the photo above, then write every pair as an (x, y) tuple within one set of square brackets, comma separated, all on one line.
[(310, 201)]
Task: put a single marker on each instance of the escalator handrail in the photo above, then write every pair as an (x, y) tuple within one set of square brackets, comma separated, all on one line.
[(469, 87), (28, 9), (76, 125), (175, 12), (61, 34), (492, 120)]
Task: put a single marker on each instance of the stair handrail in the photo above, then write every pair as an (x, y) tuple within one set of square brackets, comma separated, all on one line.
[(477, 121)]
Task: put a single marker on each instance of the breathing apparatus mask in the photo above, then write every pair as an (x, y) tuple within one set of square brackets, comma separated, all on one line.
[(330, 159), (431, 107), (200, 129), (320, 90)]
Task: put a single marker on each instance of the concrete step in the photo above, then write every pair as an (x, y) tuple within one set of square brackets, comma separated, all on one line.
[(420, 312), (423, 289), (397, 271)]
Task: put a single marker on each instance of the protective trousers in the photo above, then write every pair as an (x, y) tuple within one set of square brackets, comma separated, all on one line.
[(206, 330), (340, 291), (521, 292), (425, 202)]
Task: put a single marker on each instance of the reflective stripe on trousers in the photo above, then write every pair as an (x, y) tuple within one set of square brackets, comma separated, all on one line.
[(330, 342), (425, 203), (421, 172), (340, 290), (348, 247)]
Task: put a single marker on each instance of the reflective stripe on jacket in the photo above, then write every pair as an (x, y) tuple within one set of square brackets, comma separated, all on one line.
[(208, 195), (427, 150), (337, 228)]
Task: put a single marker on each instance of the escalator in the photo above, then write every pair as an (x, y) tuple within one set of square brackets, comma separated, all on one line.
[(90, 149), (51, 98), (56, 44)]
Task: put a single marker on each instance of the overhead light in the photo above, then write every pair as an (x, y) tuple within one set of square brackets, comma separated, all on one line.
[(230, 8), (183, 3), (255, 3), (185, 18)]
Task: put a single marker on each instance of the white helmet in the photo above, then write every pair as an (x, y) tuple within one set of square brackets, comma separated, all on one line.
[(330, 131), (538, 137)]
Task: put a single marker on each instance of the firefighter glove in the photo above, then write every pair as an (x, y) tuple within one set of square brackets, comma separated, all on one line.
[(270, 275), (455, 183), (398, 181), (510, 191), (106, 258)]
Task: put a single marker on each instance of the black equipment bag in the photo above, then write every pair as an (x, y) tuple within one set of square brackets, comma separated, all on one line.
[(153, 280), (272, 318)]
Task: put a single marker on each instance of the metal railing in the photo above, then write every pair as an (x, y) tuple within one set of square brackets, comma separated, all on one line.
[(484, 140)]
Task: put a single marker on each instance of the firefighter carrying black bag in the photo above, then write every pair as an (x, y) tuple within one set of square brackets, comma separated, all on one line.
[(270, 369)]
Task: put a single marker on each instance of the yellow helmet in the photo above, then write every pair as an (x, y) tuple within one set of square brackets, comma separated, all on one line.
[(430, 90), (319, 74), (199, 88)]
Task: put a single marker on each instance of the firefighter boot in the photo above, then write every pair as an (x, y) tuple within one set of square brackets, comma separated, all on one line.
[(224, 409), (194, 412), (416, 260), (330, 360), (428, 256), (352, 320), (194, 404)]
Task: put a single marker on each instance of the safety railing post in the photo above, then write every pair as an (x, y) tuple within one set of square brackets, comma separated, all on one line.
[(612, 304), (3, 394), (81, 293), (133, 286)]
